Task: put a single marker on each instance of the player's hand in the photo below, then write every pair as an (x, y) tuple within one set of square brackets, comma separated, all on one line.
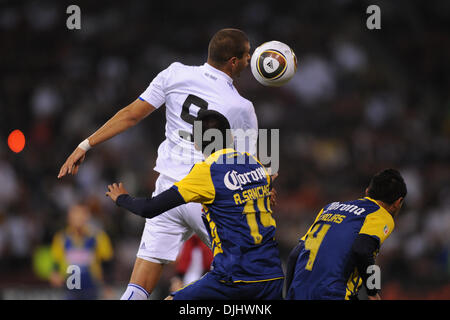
[(72, 163), (273, 192), (274, 176), (116, 190), (175, 284), (56, 280), (375, 297), (273, 197)]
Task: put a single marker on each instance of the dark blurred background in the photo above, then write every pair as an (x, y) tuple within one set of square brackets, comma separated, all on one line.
[(362, 100)]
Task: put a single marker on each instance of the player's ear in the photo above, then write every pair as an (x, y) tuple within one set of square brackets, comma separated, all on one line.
[(396, 206), (399, 202), (367, 192)]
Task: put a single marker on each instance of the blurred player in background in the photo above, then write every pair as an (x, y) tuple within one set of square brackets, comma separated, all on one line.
[(331, 260), (184, 90), (85, 246), (193, 261), (237, 212)]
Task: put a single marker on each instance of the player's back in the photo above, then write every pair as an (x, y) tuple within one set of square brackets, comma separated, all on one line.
[(240, 219), (186, 90), (324, 269), (234, 189)]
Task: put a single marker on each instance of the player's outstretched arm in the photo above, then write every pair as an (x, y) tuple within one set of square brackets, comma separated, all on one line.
[(121, 121), (145, 207)]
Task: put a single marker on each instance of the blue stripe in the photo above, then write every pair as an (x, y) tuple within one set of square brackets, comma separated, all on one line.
[(139, 287), (142, 99), (129, 298)]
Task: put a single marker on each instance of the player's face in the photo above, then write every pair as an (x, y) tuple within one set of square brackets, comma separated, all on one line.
[(78, 216), (242, 63)]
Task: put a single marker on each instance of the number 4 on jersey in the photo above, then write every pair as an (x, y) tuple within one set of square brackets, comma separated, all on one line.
[(313, 241)]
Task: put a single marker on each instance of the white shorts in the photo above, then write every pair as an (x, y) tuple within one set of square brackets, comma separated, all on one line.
[(164, 235)]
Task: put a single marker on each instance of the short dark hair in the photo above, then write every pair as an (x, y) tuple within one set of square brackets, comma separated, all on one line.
[(226, 44), (211, 119), (387, 186)]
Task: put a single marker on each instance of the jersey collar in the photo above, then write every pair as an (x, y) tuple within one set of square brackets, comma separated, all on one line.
[(218, 72), (375, 201), (213, 157)]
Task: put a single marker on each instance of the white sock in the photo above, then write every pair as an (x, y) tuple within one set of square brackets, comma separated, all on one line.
[(135, 292)]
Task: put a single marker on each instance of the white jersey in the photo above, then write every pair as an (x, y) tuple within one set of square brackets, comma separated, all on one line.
[(185, 90)]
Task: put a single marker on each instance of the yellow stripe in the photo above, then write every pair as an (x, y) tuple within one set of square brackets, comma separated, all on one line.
[(254, 230), (253, 281), (266, 216), (216, 243), (352, 288), (187, 285)]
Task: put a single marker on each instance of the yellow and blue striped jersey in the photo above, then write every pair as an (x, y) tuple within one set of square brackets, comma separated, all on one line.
[(234, 189), (324, 269), (86, 251)]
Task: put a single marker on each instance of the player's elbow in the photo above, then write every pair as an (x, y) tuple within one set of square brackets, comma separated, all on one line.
[(141, 211), (127, 116), (145, 210), (137, 111)]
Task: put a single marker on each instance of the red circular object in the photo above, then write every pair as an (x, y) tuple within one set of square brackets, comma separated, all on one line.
[(16, 141)]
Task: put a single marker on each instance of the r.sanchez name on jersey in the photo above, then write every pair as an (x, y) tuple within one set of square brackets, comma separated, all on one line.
[(236, 201), (185, 90), (324, 268)]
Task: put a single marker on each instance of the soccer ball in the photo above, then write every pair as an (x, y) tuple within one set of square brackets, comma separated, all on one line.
[(273, 63)]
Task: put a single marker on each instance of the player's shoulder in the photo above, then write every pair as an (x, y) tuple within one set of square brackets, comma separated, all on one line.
[(59, 236), (100, 234), (359, 207), (379, 222), (176, 67), (233, 158), (178, 72), (375, 214), (380, 212)]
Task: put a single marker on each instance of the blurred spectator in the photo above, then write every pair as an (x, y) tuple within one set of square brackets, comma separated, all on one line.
[(82, 245)]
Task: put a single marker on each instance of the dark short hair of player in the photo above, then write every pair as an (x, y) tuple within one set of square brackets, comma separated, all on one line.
[(211, 119), (387, 186), (226, 44)]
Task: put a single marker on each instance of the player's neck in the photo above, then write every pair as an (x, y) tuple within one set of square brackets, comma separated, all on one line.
[(225, 68), (78, 231), (385, 206)]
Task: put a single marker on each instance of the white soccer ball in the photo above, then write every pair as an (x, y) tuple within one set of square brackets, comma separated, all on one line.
[(273, 63)]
